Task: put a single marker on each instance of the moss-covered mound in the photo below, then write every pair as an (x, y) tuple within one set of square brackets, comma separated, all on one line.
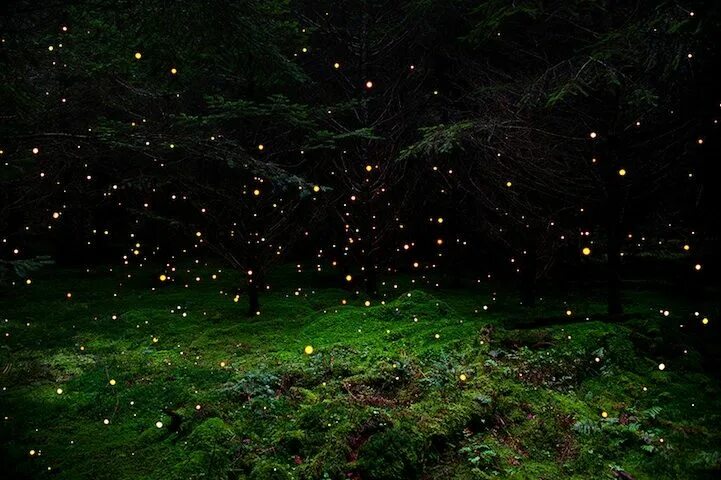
[(125, 382)]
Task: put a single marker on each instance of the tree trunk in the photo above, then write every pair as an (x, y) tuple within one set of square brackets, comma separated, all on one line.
[(454, 253), (613, 273), (253, 298), (371, 278), (529, 270), (614, 215)]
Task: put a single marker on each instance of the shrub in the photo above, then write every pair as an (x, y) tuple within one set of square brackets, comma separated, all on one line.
[(255, 384)]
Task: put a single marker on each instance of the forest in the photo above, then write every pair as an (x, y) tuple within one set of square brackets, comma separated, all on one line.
[(360, 239)]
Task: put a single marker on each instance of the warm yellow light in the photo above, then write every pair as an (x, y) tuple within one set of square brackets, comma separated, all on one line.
[(439, 241), (336, 65), (622, 172), (704, 321), (697, 267), (462, 377), (687, 247), (586, 251), (367, 303), (59, 391), (112, 381), (348, 278), (256, 192), (163, 277), (316, 188), (56, 215), (369, 168), (261, 147), (174, 70), (138, 55), (569, 313), (509, 184), (604, 414), (440, 220), (308, 349)]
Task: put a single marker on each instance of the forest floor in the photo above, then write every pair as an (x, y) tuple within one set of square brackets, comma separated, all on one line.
[(131, 378)]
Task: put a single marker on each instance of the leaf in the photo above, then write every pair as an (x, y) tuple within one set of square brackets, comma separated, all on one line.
[(651, 412)]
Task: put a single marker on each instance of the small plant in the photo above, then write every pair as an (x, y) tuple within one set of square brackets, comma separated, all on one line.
[(586, 427), (255, 384), (478, 453)]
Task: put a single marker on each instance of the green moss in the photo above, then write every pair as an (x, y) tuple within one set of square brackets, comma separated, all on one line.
[(380, 397), (265, 470), (393, 454), (210, 448)]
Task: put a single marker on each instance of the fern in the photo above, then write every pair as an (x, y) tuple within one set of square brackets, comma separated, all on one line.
[(585, 427), (651, 412)]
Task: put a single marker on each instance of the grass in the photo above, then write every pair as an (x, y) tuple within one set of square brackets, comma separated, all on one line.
[(425, 384)]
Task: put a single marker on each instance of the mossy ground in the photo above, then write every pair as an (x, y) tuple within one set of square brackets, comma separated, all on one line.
[(381, 397)]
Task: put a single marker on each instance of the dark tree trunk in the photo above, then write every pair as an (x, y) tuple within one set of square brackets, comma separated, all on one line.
[(456, 279), (253, 298), (371, 278), (613, 273), (529, 271), (614, 221), (254, 283), (454, 255)]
